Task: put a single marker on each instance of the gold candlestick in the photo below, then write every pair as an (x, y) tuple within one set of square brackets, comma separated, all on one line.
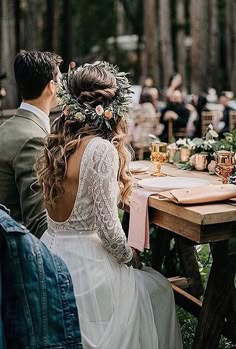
[(159, 155)]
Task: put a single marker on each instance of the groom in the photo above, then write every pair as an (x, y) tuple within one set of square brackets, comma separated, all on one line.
[(21, 137)]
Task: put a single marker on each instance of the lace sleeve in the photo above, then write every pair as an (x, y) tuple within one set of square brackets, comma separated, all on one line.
[(105, 193)]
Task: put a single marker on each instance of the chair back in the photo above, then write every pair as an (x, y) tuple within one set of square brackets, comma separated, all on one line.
[(210, 117), (232, 120), (180, 133), (143, 121)]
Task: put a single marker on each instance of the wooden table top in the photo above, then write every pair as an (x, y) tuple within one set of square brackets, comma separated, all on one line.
[(200, 223)]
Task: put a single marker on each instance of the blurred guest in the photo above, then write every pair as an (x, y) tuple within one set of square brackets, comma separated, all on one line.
[(145, 119), (150, 95), (175, 110), (175, 83), (195, 121), (224, 100), (148, 82), (21, 137), (211, 95)]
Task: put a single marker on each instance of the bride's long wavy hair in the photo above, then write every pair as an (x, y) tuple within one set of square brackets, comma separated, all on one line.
[(96, 86)]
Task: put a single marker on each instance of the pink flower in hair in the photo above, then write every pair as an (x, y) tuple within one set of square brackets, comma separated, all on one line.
[(108, 114), (99, 110)]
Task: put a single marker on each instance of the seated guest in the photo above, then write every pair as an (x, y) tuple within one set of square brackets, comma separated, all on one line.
[(199, 102), (175, 84), (224, 100), (175, 110), (21, 137), (150, 95), (144, 119), (38, 306)]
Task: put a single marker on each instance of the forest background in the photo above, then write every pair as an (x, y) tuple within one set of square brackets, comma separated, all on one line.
[(148, 38)]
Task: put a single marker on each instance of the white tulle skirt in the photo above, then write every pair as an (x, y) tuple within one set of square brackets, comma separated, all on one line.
[(119, 307)]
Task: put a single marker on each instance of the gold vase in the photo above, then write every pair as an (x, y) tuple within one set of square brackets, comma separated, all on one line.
[(200, 161), (185, 154), (171, 153)]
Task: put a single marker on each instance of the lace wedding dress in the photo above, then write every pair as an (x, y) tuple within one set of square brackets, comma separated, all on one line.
[(119, 307)]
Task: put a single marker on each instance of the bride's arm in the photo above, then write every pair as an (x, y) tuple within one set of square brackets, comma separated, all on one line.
[(105, 169)]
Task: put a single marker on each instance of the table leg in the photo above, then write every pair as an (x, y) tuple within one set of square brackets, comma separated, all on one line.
[(218, 295), (229, 329), (160, 247), (189, 262)]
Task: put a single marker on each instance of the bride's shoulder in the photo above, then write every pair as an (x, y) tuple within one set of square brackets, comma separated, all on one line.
[(104, 145), (102, 148)]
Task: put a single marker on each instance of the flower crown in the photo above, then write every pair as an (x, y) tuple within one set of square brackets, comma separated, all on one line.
[(101, 115)]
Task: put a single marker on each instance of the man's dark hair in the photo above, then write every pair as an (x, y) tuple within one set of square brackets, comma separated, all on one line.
[(34, 70)]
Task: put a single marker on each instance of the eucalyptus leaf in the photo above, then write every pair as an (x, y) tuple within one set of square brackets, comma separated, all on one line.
[(197, 142), (213, 134), (108, 125), (184, 166)]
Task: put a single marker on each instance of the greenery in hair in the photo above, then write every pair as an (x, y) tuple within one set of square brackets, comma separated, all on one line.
[(101, 115)]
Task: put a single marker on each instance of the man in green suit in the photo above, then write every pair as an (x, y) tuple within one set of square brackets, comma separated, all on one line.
[(21, 137)]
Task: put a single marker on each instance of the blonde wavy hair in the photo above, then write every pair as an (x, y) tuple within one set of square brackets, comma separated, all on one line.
[(96, 86)]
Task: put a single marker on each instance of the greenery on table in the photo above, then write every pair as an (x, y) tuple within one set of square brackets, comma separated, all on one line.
[(228, 141), (209, 144)]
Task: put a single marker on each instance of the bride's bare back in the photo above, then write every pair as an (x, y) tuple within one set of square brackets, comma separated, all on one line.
[(64, 205)]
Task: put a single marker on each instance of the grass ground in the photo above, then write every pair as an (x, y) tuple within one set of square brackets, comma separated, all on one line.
[(188, 322)]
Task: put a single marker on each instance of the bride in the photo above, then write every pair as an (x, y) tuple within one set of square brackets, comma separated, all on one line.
[(82, 171)]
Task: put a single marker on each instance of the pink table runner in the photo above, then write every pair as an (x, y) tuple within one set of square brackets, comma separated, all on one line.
[(139, 221)]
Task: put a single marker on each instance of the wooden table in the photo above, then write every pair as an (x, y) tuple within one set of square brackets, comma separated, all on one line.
[(207, 223)]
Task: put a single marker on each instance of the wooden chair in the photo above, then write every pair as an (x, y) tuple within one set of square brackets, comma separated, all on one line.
[(232, 120), (210, 117), (144, 121), (180, 133)]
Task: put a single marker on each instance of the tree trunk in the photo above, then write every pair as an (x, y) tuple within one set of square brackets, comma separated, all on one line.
[(120, 21), (213, 63), (165, 41), (150, 41), (34, 25), (181, 49), (8, 51), (228, 38), (67, 33), (17, 23), (52, 25), (199, 31), (233, 75)]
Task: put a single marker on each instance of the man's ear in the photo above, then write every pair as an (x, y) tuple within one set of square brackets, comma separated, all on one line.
[(50, 88)]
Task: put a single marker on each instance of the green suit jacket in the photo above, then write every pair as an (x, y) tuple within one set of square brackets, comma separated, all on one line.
[(21, 140)]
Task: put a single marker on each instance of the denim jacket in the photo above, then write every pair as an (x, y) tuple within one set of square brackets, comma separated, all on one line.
[(38, 304)]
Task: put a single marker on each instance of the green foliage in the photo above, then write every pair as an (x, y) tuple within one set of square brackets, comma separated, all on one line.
[(228, 141), (188, 324), (184, 166)]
